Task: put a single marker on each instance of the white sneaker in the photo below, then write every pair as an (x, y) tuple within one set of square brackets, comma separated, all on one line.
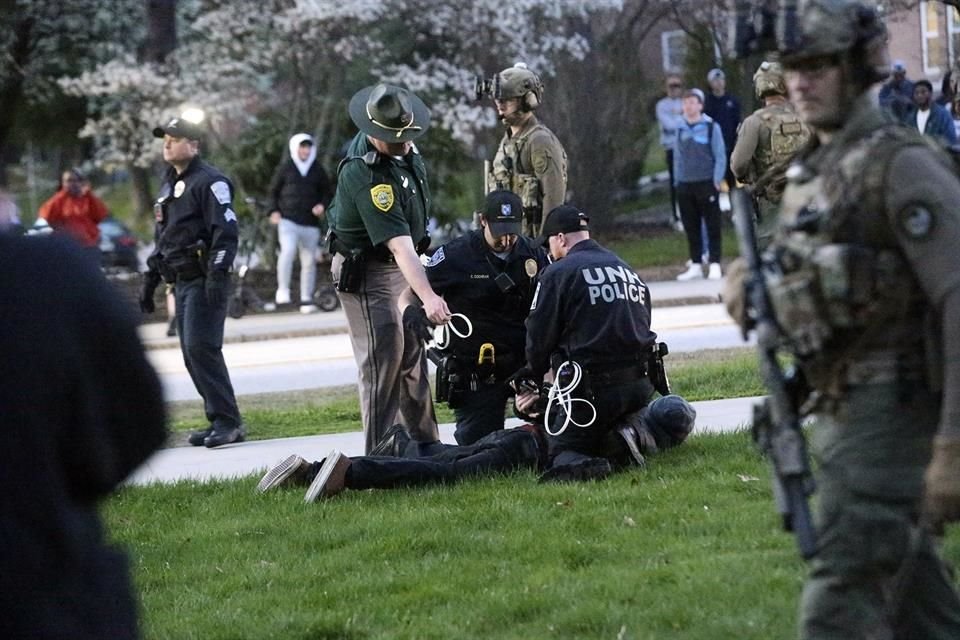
[(283, 296), (715, 273), (309, 308), (693, 272)]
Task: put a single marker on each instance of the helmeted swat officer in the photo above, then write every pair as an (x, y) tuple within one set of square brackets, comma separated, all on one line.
[(378, 221), (590, 324), (863, 281), (196, 242), (530, 161), (488, 276), (767, 140)]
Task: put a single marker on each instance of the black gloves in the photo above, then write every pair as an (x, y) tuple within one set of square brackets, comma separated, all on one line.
[(216, 288), (523, 380), (148, 284), (415, 321)]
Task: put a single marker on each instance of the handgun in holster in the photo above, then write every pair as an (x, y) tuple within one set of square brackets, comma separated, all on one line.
[(656, 370)]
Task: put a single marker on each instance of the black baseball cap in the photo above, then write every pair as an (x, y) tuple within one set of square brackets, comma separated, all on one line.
[(563, 219), (503, 211), (179, 128)]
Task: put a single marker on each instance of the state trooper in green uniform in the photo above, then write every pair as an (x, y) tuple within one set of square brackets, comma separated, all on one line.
[(864, 284), (530, 161), (766, 141), (378, 226)]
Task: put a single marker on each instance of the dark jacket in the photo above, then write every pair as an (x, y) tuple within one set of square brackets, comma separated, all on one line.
[(81, 408), (725, 111), (295, 195), (939, 124), (194, 206), (590, 307)]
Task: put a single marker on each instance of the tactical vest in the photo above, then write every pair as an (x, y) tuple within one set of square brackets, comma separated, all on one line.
[(509, 172), (841, 289), (788, 134)]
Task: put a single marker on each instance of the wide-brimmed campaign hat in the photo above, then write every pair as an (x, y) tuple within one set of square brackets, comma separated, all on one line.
[(389, 113)]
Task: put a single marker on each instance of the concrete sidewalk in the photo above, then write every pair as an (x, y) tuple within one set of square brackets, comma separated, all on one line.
[(270, 326), (198, 463)]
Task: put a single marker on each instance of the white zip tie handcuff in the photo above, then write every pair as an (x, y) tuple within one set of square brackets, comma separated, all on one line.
[(563, 395), (441, 333)]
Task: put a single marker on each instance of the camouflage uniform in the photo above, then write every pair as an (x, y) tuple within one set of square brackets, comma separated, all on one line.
[(863, 282), (766, 140), (532, 163)]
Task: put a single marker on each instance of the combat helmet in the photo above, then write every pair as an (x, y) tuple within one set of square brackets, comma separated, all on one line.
[(768, 80), (519, 82), (848, 30)]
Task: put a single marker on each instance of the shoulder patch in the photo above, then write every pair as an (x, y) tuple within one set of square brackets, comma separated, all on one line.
[(221, 191), (916, 221), (437, 257), (229, 215), (382, 196)]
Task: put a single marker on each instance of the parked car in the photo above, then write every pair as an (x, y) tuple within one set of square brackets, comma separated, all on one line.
[(118, 246)]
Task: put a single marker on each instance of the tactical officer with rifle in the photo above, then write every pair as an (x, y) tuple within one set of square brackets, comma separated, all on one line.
[(589, 325), (196, 242), (766, 141), (378, 223), (860, 286), (530, 161), (487, 278)]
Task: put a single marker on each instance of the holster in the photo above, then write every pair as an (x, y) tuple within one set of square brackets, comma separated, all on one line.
[(656, 370)]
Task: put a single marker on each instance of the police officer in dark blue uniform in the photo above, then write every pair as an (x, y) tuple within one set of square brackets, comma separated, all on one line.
[(488, 276), (590, 324), (196, 241)]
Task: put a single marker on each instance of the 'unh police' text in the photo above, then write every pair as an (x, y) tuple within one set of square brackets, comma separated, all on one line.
[(608, 284)]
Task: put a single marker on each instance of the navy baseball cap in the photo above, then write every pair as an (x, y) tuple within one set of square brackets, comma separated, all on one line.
[(503, 211), (563, 219), (179, 128)]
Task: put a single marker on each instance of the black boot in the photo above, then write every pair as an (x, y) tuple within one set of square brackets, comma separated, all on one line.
[(220, 437)]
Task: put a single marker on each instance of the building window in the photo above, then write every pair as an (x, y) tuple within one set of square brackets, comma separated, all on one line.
[(934, 51), (673, 45), (953, 35)]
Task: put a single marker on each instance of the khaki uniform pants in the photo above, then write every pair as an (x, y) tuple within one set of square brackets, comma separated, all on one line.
[(392, 363), (876, 574)]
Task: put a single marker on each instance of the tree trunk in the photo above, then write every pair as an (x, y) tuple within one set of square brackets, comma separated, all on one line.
[(141, 195)]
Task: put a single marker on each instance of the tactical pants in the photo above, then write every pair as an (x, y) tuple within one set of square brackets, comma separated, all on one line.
[(699, 202), (480, 412), (876, 574), (391, 362), (499, 452), (200, 328), (612, 401)]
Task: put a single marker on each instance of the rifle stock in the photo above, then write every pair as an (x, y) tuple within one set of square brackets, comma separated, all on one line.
[(777, 429)]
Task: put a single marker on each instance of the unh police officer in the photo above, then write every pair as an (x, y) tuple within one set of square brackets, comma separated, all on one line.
[(196, 241), (591, 309), (488, 275)]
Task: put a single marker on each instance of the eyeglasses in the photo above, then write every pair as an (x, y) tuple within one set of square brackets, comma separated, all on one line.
[(399, 130)]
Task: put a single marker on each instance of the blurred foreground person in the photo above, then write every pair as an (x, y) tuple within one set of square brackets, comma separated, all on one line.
[(862, 279), (80, 408)]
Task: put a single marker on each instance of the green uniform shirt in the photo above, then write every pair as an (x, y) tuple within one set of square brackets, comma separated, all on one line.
[(379, 197)]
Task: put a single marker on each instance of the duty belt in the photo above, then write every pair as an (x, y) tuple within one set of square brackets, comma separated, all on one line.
[(613, 374)]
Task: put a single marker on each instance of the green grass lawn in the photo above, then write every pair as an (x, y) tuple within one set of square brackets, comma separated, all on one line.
[(705, 375), (686, 548)]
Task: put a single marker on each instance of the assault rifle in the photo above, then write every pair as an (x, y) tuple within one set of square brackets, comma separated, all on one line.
[(776, 423)]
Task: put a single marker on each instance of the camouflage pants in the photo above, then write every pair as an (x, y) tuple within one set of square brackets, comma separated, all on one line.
[(876, 574)]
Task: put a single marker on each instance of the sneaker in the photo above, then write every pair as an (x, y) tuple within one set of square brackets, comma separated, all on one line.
[(693, 272), (330, 479), (293, 471), (677, 225), (715, 273), (309, 308), (630, 438), (283, 296), (393, 444), (196, 438)]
